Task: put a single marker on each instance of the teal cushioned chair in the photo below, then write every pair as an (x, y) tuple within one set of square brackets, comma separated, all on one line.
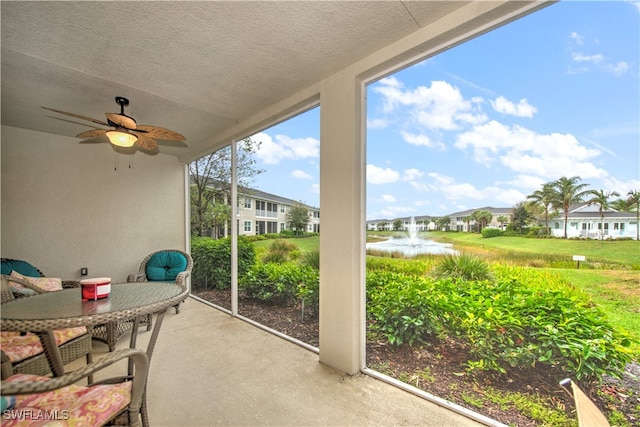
[(168, 265), (27, 269)]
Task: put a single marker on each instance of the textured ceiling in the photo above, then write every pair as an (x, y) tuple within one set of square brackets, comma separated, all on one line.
[(195, 67)]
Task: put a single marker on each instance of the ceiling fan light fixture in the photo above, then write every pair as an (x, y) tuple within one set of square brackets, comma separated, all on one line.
[(121, 139)]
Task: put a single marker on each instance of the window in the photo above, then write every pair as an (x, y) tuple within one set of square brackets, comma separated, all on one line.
[(283, 226), (272, 210), (247, 203), (282, 209), (247, 226)]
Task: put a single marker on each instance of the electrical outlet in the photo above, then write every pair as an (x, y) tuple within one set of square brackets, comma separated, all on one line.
[(84, 271)]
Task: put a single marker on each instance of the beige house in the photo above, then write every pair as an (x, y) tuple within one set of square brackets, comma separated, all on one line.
[(260, 213), (216, 72)]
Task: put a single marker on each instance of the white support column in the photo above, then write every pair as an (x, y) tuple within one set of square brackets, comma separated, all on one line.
[(234, 228), (342, 236)]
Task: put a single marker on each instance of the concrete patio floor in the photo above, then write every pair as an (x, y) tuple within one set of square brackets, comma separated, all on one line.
[(210, 369)]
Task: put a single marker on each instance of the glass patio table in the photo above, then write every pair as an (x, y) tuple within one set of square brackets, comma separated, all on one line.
[(41, 314)]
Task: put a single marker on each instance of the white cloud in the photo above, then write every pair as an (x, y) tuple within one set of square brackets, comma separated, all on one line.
[(284, 147), (377, 123), (455, 191), (439, 107), (421, 139), (378, 175), (580, 57), (300, 174), (618, 69), (396, 211), (412, 174), (577, 38), (622, 187), (388, 198), (522, 109), (530, 153), (315, 188)]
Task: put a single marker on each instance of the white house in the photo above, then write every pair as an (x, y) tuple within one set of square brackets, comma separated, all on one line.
[(584, 221)]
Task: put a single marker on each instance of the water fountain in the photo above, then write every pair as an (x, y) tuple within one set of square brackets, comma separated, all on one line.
[(411, 244)]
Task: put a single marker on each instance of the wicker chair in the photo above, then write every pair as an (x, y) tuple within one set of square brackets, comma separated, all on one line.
[(155, 267), (38, 363), (110, 402), (23, 267)]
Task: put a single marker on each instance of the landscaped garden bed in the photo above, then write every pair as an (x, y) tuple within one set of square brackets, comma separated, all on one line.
[(496, 344)]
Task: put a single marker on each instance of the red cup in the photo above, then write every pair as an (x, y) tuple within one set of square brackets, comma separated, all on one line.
[(95, 289)]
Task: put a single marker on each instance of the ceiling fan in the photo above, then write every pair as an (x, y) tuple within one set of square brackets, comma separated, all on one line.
[(126, 132)]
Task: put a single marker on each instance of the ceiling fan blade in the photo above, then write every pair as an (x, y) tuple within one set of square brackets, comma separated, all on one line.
[(77, 116), (146, 143), (92, 133), (158, 132)]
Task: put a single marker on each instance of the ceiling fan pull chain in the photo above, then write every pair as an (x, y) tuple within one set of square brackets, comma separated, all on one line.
[(115, 162)]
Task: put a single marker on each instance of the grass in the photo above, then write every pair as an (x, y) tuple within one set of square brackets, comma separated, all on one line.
[(626, 253), (617, 292), (304, 243)]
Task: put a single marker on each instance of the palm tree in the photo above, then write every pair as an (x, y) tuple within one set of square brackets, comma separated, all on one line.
[(543, 198), (567, 191), (502, 219), (633, 198), (601, 198), (621, 205)]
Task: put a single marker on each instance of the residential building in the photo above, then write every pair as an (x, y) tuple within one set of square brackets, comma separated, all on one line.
[(585, 221), (260, 212)]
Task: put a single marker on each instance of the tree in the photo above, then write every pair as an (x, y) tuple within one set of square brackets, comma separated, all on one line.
[(601, 198), (220, 217), (211, 181), (621, 205), (482, 218), (298, 218), (443, 223), (520, 216), (467, 219), (397, 225), (543, 198), (633, 198), (502, 219), (565, 192)]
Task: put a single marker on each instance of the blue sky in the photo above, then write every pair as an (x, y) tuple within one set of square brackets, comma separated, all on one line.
[(488, 122)]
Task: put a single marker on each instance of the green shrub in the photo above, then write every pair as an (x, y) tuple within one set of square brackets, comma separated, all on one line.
[(410, 267), (212, 261), (522, 318), (311, 258), (282, 284), (491, 232), (465, 267), (281, 251), (402, 307)]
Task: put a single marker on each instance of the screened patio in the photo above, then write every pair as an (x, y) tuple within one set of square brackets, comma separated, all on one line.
[(217, 72)]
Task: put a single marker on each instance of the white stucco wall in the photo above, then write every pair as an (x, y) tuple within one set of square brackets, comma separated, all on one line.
[(67, 205)]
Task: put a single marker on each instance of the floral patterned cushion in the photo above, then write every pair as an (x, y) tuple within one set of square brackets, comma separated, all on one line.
[(73, 405), (45, 283), (19, 347)]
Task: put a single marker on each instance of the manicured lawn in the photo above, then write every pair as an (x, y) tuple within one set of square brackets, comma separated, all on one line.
[(617, 292), (304, 243), (624, 251)]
